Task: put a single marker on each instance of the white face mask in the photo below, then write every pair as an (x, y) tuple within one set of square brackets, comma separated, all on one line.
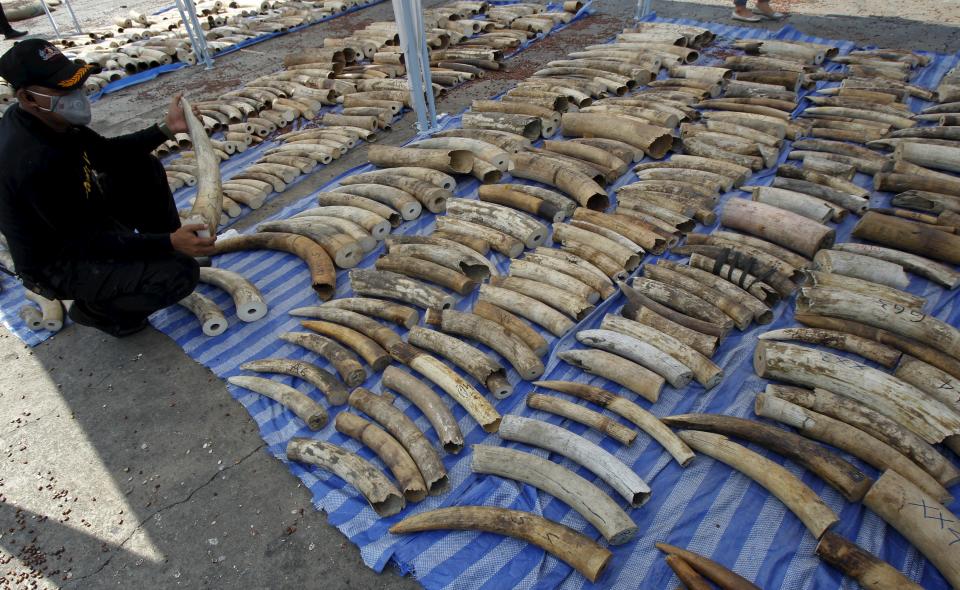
[(74, 107)]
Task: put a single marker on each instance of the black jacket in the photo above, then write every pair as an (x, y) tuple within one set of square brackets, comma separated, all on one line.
[(52, 208)]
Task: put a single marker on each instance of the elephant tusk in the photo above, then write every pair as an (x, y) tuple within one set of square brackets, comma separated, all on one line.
[(212, 320), (323, 380), (322, 271), (863, 567), (498, 240), (377, 226), (425, 270), (421, 395), (868, 289), (578, 449), (346, 363), (909, 236), (800, 499), (527, 307), (209, 201), (640, 352), (368, 348), (862, 267), (407, 434), (716, 573), (390, 451), (571, 547), (471, 360), (382, 283), (383, 496), (596, 507), (504, 219), (491, 334), (683, 301), (312, 413), (621, 371), (779, 226), (513, 326), (51, 310), (668, 275)]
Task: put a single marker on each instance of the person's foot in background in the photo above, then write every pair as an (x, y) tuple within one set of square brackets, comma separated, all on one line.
[(744, 14), (763, 9), (8, 31)]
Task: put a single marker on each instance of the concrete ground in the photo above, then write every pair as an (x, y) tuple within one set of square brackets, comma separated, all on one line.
[(125, 464)]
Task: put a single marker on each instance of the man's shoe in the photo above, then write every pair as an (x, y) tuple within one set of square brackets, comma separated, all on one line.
[(14, 34), (85, 315)]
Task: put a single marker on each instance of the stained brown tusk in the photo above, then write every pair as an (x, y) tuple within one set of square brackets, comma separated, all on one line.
[(390, 451), (322, 271), (312, 413), (421, 395), (383, 496), (716, 573), (863, 567)]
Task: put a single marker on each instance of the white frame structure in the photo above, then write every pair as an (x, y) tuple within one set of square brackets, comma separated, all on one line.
[(53, 23), (644, 7), (188, 14), (413, 42)]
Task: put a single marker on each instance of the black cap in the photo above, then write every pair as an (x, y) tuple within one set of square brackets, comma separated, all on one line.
[(37, 62)]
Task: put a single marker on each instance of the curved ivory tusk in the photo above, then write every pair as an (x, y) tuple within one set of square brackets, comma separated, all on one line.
[(595, 281), (865, 289), (515, 351), (323, 380), (390, 451), (499, 241), (428, 402), (777, 225), (211, 319), (478, 245), (501, 195), (896, 399), (312, 413), (322, 272), (528, 126), (936, 383), (596, 507), (808, 206), (346, 363), (697, 331), (397, 199), (382, 283), (911, 323), (377, 226), (583, 415), (800, 499), (706, 372), (425, 270), (629, 410), (473, 362), (733, 282), (580, 552), (868, 349), (791, 258), (407, 434), (848, 439), (910, 236), (569, 304), (444, 252), (622, 255), (632, 228), (683, 301), (576, 448), (368, 348), (686, 574), (513, 326), (653, 140), (527, 307), (640, 352), (431, 196), (435, 177), (861, 267), (382, 495), (481, 150), (526, 269), (385, 310), (342, 249), (850, 481), (504, 219), (455, 386), (247, 299), (51, 311), (919, 518), (863, 567), (732, 308), (581, 188), (918, 265), (621, 371), (209, 200), (367, 326), (704, 344), (716, 573)]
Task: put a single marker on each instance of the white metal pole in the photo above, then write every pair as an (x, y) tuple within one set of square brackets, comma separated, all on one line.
[(644, 7), (73, 16), (53, 23)]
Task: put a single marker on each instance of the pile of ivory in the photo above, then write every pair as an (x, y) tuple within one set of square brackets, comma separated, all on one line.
[(139, 42), (44, 314)]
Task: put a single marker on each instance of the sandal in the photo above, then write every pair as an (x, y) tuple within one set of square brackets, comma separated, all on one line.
[(746, 19)]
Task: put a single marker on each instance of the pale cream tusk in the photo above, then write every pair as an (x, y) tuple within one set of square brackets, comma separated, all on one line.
[(421, 395), (472, 361)]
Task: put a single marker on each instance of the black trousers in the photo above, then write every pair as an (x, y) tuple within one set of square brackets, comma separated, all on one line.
[(127, 291)]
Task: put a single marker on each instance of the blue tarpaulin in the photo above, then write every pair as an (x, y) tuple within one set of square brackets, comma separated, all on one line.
[(706, 507)]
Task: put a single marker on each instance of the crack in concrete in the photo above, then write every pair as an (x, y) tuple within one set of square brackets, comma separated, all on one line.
[(140, 525)]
